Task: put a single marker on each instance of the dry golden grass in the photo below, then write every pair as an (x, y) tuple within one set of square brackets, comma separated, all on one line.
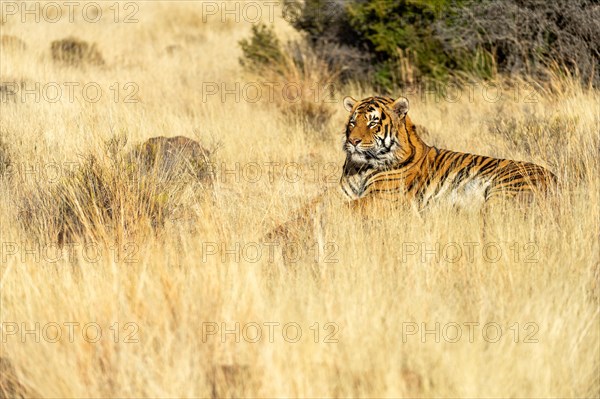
[(373, 279)]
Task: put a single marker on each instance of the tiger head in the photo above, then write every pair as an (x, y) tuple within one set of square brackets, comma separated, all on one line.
[(377, 131)]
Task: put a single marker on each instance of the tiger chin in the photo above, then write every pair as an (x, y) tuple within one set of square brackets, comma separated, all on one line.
[(387, 159)]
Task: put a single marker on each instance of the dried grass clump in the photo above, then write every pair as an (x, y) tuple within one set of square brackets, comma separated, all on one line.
[(10, 386), (305, 81), (73, 51), (172, 157), (231, 380), (12, 43), (528, 132), (119, 194), (9, 88), (5, 158)]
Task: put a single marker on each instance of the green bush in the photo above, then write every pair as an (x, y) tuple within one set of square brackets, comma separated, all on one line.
[(397, 38), (390, 28), (295, 64), (262, 50), (393, 43)]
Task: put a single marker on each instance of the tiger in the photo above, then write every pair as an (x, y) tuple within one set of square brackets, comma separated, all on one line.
[(386, 158)]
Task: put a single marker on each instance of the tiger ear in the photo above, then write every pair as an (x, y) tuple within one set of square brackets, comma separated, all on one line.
[(400, 106), (349, 103)]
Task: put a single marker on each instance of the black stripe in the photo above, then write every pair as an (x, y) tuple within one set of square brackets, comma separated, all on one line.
[(492, 163), (346, 191), (411, 185)]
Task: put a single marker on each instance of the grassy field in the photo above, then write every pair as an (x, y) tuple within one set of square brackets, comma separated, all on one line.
[(150, 287)]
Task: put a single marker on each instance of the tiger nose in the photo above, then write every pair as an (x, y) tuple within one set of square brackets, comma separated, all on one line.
[(354, 141)]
